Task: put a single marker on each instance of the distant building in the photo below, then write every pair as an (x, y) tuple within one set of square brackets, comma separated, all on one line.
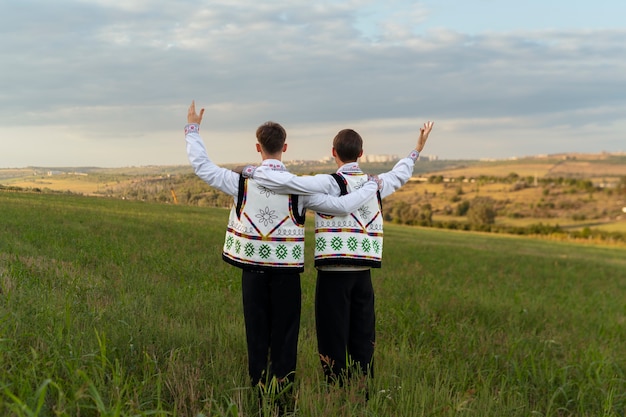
[(379, 158)]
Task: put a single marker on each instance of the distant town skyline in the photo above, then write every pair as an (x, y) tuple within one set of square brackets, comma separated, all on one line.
[(107, 83)]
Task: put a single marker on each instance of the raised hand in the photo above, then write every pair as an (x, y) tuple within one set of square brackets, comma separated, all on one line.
[(424, 132), (192, 116)]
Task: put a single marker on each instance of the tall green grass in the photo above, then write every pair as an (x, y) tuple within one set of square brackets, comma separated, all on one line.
[(118, 308)]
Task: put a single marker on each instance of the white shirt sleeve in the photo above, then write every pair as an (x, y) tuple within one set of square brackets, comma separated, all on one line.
[(339, 206), (285, 182), (217, 177), (397, 177)]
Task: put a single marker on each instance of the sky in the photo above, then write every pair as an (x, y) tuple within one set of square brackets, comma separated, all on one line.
[(107, 83)]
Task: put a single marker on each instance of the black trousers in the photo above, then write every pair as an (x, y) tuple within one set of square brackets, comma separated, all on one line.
[(271, 308), (345, 322)]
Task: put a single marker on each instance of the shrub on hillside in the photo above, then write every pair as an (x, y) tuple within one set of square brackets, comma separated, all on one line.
[(462, 208), (404, 213), (481, 211)]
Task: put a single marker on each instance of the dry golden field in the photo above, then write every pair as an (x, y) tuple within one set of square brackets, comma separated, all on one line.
[(579, 166), (543, 189), (553, 204)]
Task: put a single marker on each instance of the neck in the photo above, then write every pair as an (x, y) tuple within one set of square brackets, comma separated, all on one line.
[(278, 156), (341, 163)]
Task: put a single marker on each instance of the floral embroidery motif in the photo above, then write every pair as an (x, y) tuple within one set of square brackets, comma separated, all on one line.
[(266, 216), (266, 191), (364, 211), (359, 184)]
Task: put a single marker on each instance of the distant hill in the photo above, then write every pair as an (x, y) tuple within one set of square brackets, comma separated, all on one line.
[(99, 181), (571, 165)]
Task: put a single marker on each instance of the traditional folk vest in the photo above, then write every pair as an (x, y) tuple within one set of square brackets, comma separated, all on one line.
[(265, 230), (355, 239)]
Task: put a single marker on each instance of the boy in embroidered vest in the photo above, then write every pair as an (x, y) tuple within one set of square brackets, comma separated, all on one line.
[(346, 247), (265, 238)]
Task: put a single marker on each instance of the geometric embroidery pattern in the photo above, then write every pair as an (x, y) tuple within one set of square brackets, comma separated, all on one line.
[(229, 242), (265, 251), (296, 252), (365, 244), (281, 252), (249, 249), (238, 246), (336, 243), (320, 243), (376, 245), (352, 243)]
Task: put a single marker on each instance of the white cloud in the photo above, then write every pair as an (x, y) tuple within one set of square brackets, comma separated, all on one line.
[(111, 69)]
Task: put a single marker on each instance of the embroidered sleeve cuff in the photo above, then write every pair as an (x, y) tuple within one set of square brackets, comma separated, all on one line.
[(414, 155), (248, 171), (377, 180), (192, 127)]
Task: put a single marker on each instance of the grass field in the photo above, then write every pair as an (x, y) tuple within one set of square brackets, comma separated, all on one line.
[(123, 308)]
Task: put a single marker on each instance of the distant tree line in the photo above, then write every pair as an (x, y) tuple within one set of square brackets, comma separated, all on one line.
[(481, 212)]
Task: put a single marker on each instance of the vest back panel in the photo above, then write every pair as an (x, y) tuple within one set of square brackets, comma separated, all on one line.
[(355, 239), (265, 230)]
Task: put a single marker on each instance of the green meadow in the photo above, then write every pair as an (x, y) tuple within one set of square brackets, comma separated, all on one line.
[(123, 308)]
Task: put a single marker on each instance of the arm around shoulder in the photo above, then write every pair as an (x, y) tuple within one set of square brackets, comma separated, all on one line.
[(339, 206), (285, 182)]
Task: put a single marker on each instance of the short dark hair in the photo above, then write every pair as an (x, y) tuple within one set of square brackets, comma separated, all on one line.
[(348, 144), (271, 136)]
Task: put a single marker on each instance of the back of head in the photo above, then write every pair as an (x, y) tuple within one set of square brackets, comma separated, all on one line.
[(271, 136), (348, 145)]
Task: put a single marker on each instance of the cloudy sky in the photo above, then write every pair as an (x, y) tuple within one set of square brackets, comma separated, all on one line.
[(107, 82)]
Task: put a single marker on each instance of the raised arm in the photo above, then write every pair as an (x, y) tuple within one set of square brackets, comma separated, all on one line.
[(403, 170), (221, 178)]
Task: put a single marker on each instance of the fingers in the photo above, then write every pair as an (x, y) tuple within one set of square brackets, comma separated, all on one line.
[(428, 126), (192, 116), (424, 132)]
